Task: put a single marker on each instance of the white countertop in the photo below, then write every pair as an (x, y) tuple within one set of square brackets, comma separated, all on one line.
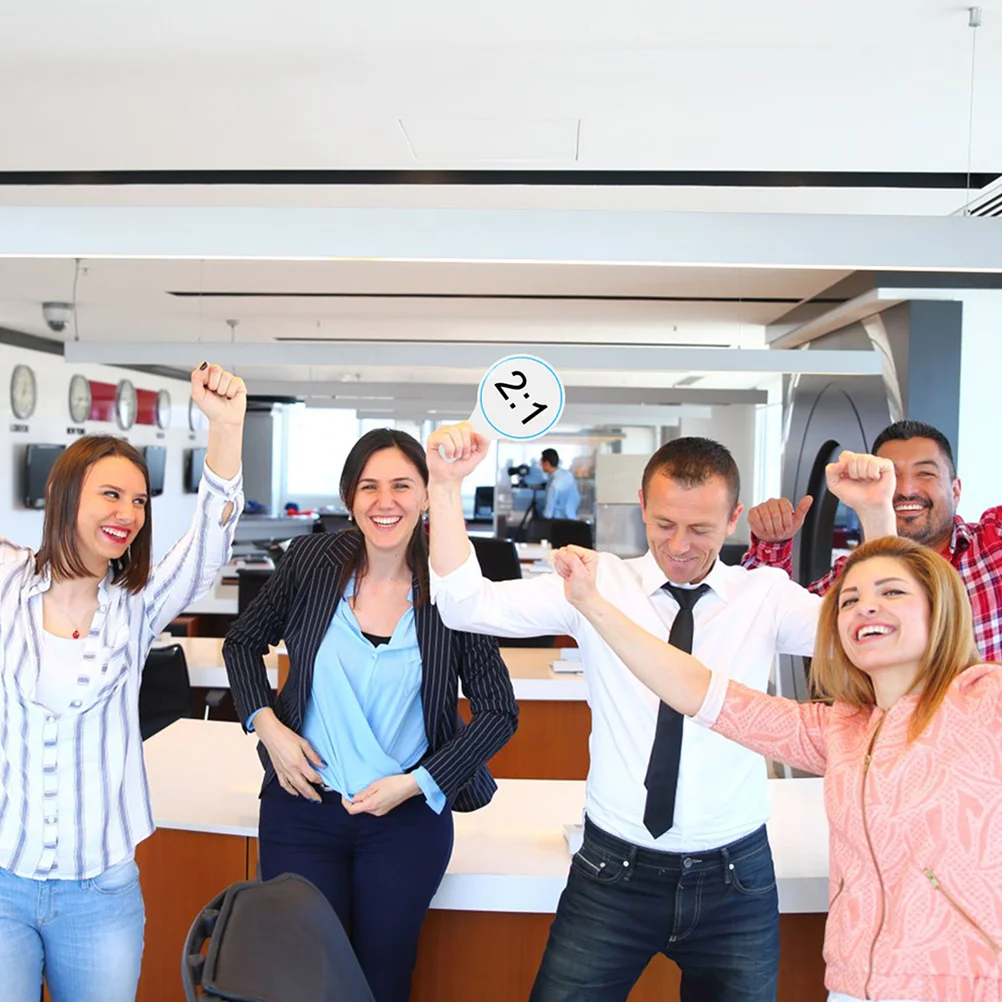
[(510, 856), (529, 667)]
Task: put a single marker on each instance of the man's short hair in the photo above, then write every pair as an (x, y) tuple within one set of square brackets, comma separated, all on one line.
[(903, 431), (693, 461), (550, 456)]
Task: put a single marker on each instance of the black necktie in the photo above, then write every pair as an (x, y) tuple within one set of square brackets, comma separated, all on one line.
[(662, 769)]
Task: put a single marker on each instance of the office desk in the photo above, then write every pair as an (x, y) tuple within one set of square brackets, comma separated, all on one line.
[(499, 893)]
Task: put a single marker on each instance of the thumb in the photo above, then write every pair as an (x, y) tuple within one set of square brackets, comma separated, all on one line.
[(803, 508), (311, 754)]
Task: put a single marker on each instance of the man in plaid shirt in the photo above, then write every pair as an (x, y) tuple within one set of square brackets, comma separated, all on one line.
[(925, 505)]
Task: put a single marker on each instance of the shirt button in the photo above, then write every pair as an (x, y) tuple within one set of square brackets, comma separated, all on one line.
[(50, 720), (76, 704), (50, 821), (687, 863)]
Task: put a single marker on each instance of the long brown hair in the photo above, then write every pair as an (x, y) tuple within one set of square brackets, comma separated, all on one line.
[(951, 633), (417, 549), (62, 502)]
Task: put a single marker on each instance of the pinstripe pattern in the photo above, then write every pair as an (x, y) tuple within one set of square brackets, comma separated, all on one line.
[(296, 606), (73, 793)]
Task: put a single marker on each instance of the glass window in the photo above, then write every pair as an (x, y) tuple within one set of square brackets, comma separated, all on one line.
[(319, 440)]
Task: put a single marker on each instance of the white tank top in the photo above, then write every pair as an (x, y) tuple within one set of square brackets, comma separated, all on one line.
[(58, 673)]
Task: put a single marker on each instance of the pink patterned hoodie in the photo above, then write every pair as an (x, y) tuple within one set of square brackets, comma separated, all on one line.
[(915, 832)]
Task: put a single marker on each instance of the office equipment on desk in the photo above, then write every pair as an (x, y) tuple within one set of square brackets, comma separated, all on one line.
[(194, 460), (564, 667), (250, 580), (155, 457), (278, 941), (483, 503), (38, 460)]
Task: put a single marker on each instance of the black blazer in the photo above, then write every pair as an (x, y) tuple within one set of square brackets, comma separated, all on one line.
[(296, 605)]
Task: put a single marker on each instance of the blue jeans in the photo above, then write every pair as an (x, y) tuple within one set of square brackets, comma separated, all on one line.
[(86, 935), (715, 913)]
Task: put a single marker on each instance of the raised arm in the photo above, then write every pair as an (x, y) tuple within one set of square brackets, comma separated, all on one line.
[(465, 599), (190, 566), (780, 728)]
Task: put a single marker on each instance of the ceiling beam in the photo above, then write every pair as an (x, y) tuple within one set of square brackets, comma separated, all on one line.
[(423, 354), (358, 394), (710, 239)]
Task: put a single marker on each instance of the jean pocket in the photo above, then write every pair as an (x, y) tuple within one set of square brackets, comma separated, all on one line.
[(117, 879), (754, 873), (596, 864)]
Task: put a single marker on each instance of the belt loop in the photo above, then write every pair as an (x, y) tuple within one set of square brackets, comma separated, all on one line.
[(725, 858)]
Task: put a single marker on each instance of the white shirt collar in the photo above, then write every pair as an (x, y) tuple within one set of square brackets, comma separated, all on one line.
[(652, 578)]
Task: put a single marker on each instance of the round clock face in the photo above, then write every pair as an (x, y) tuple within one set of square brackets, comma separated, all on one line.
[(196, 419), (23, 392), (125, 404), (79, 399), (163, 409)]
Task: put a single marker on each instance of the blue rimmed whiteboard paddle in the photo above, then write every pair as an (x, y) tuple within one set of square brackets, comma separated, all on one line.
[(520, 398)]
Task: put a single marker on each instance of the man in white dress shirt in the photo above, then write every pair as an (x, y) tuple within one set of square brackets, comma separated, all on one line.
[(675, 856)]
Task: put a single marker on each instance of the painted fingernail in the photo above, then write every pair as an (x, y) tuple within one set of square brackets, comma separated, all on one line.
[(204, 365)]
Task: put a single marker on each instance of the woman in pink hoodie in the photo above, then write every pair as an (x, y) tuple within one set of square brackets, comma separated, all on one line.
[(909, 741)]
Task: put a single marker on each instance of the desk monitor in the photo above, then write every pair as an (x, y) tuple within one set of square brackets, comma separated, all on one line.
[(194, 460)]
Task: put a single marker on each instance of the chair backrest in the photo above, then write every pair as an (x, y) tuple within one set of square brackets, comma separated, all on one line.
[(250, 580), (498, 558), (731, 553), (165, 690), (570, 532), (277, 941)]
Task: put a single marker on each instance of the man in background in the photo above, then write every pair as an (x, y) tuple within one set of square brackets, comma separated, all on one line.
[(562, 495)]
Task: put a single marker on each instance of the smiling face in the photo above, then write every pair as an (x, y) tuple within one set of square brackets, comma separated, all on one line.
[(926, 493), (686, 526), (883, 618), (111, 512), (389, 499)]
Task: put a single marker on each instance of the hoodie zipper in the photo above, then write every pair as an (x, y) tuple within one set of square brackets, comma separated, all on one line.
[(962, 912), (880, 878)]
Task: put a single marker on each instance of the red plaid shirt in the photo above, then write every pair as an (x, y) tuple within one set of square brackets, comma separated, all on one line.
[(975, 551)]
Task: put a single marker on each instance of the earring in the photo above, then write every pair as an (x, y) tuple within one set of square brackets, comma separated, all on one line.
[(350, 519)]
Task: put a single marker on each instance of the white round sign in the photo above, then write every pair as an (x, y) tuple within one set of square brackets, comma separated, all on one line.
[(520, 398)]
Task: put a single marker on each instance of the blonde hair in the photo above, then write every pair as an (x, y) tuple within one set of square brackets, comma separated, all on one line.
[(951, 633)]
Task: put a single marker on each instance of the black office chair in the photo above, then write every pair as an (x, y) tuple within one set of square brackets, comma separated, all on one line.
[(165, 690), (277, 941), (570, 532), (731, 553), (250, 580), (498, 559)]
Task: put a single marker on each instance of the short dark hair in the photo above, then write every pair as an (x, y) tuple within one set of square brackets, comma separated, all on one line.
[(693, 461), (354, 466), (903, 431), (550, 456), (62, 502)]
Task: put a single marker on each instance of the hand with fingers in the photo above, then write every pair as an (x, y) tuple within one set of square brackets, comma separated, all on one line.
[(863, 482), (381, 796), (578, 567), (292, 756), (455, 451), (776, 520), (221, 396)]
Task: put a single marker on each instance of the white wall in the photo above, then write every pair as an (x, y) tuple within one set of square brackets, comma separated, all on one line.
[(172, 511), (977, 437), (733, 426)]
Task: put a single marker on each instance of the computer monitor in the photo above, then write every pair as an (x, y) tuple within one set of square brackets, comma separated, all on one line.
[(194, 460), (483, 503), (156, 464), (38, 460)]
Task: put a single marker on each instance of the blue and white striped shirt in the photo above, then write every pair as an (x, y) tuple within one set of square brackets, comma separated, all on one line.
[(73, 793)]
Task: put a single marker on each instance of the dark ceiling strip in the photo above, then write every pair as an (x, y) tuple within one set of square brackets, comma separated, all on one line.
[(490, 295), (33, 342), (573, 178)]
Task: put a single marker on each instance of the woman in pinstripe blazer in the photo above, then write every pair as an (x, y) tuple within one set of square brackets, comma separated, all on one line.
[(365, 756)]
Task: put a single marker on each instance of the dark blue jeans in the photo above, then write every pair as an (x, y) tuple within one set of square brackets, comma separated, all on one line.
[(380, 874), (714, 913)]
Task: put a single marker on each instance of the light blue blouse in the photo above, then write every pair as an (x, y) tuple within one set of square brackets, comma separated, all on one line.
[(364, 717)]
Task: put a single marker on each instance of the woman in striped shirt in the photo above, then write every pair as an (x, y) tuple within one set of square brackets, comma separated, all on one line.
[(77, 620)]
